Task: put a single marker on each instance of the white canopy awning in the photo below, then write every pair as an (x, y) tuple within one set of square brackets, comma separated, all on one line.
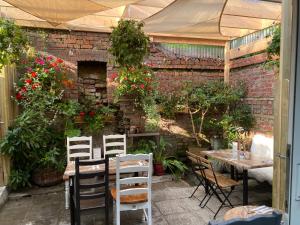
[(209, 19)]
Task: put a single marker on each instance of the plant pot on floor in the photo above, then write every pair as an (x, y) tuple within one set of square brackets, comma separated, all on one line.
[(158, 169), (46, 177)]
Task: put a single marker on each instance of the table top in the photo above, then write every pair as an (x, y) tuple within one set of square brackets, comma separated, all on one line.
[(70, 169), (252, 162), (242, 212)]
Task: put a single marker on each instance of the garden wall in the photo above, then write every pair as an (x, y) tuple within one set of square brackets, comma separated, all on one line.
[(171, 72), (260, 84)]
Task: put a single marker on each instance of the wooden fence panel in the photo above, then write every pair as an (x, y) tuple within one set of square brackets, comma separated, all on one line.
[(8, 112)]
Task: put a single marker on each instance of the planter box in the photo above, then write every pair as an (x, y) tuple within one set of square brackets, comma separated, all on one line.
[(47, 177)]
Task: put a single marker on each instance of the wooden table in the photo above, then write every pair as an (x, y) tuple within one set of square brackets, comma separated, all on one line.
[(70, 171), (251, 162)]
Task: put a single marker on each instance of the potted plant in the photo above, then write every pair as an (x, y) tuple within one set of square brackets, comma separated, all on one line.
[(162, 162)]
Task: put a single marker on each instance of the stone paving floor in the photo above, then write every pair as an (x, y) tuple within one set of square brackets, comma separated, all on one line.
[(171, 206)]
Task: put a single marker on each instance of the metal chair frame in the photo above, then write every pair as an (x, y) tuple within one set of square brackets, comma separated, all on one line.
[(213, 188)]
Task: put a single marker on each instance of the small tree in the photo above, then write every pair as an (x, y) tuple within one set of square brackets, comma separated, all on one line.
[(216, 107)]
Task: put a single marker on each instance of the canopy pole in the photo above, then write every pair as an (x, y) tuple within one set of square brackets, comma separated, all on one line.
[(226, 61)]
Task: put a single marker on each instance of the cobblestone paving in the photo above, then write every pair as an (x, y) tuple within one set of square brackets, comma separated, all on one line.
[(171, 206)]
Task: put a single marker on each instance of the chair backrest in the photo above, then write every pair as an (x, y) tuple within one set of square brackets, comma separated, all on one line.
[(271, 219), (262, 146), (97, 180), (114, 145), (142, 166), (80, 147)]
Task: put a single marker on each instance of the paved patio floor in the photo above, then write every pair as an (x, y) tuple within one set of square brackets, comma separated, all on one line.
[(171, 206)]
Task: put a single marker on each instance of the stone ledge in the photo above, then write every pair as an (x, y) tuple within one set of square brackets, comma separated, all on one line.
[(3, 195)]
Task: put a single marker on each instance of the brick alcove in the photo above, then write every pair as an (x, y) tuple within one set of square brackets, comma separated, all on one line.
[(92, 81)]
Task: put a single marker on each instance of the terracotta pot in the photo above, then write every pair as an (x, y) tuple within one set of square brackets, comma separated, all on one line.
[(46, 177), (158, 169)]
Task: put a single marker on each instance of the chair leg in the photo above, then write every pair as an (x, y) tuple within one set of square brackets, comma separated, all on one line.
[(223, 202), (149, 214), (200, 183), (67, 194), (118, 214)]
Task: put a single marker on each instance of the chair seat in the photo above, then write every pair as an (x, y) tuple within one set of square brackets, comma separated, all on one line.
[(223, 181), (130, 199)]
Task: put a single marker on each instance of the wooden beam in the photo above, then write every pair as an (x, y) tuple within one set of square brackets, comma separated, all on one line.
[(183, 40), (226, 62), (250, 48), (281, 108)]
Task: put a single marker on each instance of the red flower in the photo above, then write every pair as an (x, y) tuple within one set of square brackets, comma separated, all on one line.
[(142, 86), (92, 114), (28, 81), (34, 86), (49, 58), (33, 74), (53, 64), (82, 114), (23, 89), (18, 96), (113, 76), (59, 60), (46, 70)]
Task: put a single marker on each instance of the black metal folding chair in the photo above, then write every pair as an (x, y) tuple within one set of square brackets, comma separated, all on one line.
[(89, 190), (196, 170), (218, 185)]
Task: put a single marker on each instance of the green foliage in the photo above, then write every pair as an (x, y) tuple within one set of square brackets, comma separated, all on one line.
[(273, 49), (216, 108), (19, 179), (170, 104), (12, 42), (152, 115), (176, 167), (135, 82), (129, 43), (36, 139), (129, 47)]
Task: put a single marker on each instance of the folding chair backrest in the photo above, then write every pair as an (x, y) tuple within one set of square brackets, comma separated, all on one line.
[(142, 166), (271, 219), (97, 180), (80, 147), (192, 157), (114, 145)]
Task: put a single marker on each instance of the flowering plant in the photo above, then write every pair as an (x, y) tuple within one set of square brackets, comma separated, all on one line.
[(44, 74), (136, 82)]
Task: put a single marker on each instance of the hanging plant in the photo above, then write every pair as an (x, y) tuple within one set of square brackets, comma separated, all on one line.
[(129, 44), (129, 47), (13, 42)]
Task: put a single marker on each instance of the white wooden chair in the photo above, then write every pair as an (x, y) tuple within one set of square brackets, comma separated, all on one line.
[(80, 147), (133, 193), (114, 145)]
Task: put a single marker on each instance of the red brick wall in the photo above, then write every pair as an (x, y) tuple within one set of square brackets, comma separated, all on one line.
[(260, 85)]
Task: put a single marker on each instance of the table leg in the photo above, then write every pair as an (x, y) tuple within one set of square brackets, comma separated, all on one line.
[(232, 172), (245, 187), (67, 194)]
